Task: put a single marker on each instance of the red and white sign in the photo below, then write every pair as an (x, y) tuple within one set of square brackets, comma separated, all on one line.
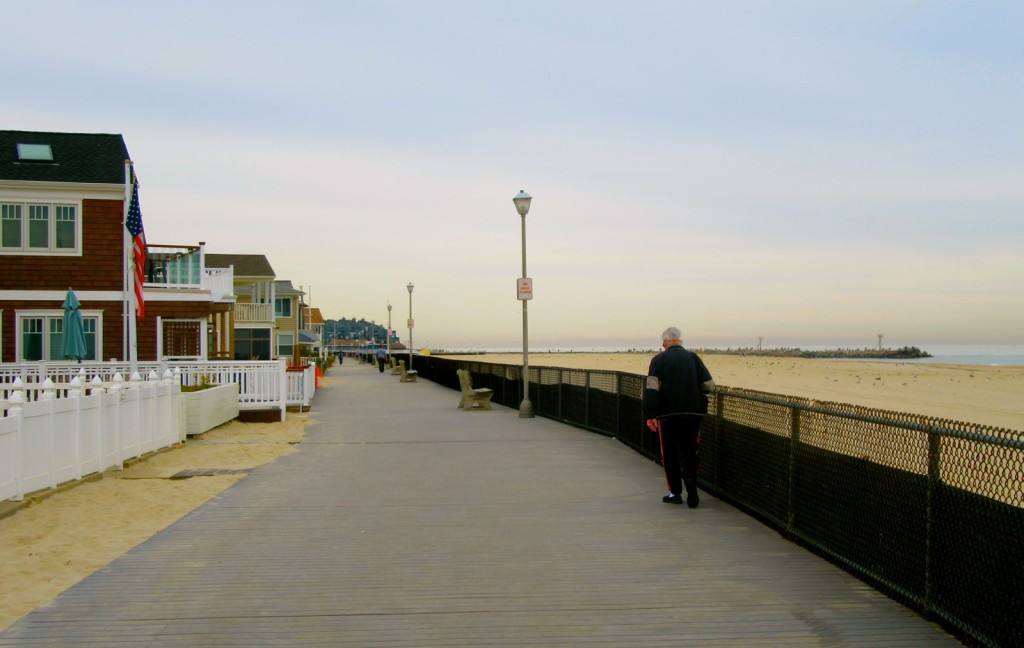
[(524, 289), (411, 322)]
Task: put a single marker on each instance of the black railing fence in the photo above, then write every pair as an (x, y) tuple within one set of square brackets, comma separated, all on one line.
[(929, 511)]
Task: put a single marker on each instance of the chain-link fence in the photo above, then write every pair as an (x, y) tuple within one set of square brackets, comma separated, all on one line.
[(929, 511)]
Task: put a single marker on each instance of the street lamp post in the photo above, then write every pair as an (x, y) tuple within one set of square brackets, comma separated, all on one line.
[(525, 293), (409, 288), (389, 330)]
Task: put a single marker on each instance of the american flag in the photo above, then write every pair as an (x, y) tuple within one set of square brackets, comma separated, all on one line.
[(134, 225)]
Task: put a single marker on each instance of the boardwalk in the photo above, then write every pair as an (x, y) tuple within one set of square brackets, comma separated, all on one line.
[(403, 521)]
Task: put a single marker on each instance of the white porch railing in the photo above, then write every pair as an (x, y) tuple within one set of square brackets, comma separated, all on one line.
[(262, 384), (249, 313), (302, 385), (220, 282), (50, 440)]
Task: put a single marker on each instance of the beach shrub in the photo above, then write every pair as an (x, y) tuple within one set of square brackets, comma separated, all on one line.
[(205, 382)]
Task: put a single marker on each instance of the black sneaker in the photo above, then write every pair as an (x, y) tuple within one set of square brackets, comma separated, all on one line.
[(692, 498), (672, 498)]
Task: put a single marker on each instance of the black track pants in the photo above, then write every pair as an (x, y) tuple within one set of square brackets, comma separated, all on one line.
[(680, 443)]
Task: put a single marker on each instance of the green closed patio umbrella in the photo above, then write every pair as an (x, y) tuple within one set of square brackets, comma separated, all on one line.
[(74, 329)]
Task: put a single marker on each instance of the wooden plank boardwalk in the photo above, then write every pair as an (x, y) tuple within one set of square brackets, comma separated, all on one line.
[(403, 521)]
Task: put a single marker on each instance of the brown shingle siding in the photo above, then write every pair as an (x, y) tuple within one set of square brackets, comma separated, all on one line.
[(112, 323), (98, 268)]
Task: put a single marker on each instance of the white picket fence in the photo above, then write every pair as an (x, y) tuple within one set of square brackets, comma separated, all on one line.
[(62, 421), (51, 435), (262, 384)]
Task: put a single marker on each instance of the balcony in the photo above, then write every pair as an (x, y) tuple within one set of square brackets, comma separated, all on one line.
[(254, 313), (183, 267), (174, 266)]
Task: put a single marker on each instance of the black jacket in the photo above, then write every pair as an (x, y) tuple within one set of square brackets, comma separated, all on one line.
[(674, 384)]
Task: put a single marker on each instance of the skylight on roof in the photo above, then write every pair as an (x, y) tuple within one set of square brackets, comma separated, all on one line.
[(35, 153)]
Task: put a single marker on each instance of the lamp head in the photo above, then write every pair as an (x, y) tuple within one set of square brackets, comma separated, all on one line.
[(409, 287), (522, 202)]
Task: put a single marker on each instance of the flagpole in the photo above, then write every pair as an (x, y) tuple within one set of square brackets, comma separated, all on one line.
[(125, 252), (133, 338)]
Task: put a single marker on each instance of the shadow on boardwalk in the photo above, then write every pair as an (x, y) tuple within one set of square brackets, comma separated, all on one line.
[(403, 521)]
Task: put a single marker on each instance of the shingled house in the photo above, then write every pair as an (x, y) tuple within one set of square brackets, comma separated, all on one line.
[(268, 316), (62, 212), (257, 306)]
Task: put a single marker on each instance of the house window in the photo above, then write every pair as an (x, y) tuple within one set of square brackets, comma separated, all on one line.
[(35, 153), (285, 344), (39, 228), (64, 230), (42, 336), (252, 344), (32, 339), (10, 228), (283, 307)]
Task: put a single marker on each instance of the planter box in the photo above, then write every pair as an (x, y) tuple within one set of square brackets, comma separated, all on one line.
[(206, 409)]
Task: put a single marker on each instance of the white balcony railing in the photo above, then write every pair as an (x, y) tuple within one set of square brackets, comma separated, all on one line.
[(263, 313), (220, 282)]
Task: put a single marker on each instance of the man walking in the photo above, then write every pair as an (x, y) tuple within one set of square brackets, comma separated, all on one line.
[(674, 403), (382, 357)]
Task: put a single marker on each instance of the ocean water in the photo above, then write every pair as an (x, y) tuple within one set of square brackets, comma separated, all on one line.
[(973, 354), (969, 354)]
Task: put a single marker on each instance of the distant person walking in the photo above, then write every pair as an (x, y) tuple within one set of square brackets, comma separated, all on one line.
[(382, 355), (674, 403)]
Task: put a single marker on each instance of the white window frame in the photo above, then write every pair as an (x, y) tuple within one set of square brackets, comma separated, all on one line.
[(54, 206), (283, 301), (281, 354), (46, 316), (257, 327)]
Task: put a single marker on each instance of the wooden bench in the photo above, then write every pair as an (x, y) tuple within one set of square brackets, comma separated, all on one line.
[(470, 396), (407, 376)]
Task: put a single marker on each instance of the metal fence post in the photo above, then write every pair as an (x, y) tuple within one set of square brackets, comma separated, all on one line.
[(586, 403), (794, 441), (934, 463), (719, 432)]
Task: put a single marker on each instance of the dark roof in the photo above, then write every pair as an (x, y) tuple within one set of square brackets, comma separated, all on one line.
[(246, 265), (285, 287), (77, 157)]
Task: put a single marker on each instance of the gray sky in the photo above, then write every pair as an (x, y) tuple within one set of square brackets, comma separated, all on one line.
[(809, 172)]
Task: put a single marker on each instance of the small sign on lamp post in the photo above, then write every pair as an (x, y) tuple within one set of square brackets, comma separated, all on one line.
[(524, 289)]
